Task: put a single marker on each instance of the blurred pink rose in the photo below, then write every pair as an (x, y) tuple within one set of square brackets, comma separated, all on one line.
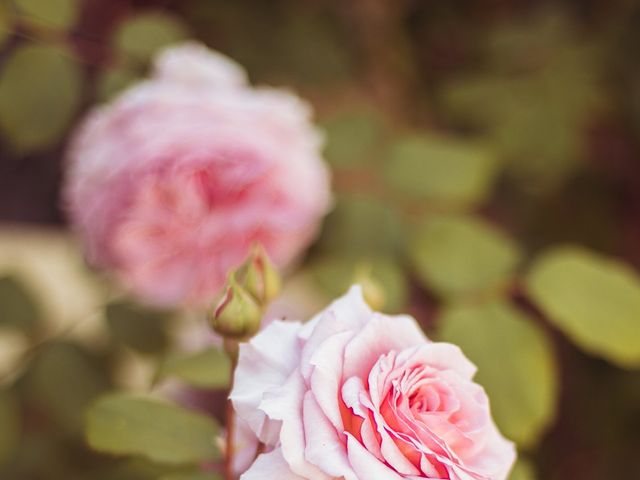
[(171, 183), (359, 395)]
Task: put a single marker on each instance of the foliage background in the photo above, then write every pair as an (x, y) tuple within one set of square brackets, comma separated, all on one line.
[(486, 158)]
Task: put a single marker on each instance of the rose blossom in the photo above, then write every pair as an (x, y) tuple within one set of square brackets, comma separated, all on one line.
[(171, 183), (358, 395)]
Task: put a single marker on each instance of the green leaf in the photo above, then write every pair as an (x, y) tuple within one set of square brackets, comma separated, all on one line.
[(6, 21), (143, 35), (115, 79), (133, 468), (62, 380), (123, 424), (191, 476), (18, 308), (210, 368), (40, 91), (53, 14), (10, 426), (311, 48), (533, 102), (594, 300), (458, 255), (515, 365), (362, 224), (522, 470), (442, 170), (353, 137), (336, 273), (140, 328)]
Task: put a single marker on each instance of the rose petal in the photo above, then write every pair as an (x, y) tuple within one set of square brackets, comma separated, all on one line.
[(264, 364), (439, 355), (366, 465), (349, 312), (324, 446), (195, 65), (270, 466), (327, 375), (380, 335), (286, 405)]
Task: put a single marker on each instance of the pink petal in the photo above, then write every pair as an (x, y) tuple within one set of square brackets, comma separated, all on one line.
[(326, 376), (348, 313), (379, 336), (366, 466), (324, 446), (439, 355)]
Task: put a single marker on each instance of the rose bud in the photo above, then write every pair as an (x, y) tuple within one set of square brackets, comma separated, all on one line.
[(260, 277), (237, 315), (372, 290)]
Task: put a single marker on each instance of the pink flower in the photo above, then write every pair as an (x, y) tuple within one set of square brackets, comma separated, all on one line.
[(358, 395), (171, 183)]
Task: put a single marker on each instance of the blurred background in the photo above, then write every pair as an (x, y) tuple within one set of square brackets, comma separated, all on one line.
[(486, 169)]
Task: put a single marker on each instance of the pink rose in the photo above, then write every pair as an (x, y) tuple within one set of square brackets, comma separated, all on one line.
[(170, 184), (358, 395)]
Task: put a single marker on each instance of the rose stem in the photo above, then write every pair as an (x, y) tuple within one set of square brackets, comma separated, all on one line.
[(232, 349)]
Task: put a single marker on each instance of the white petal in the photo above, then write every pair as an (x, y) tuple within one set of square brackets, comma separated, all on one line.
[(286, 405), (193, 64), (264, 364), (348, 312), (270, 466)]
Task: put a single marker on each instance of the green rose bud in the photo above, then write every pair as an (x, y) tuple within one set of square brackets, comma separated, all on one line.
[(237, 315), (260, 277), (372, 290)]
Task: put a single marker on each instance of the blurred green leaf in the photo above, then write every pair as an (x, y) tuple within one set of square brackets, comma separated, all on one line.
[(353, 137), (594, 300), (544, 34), (122, 424), (457, 255), (335, 274), (40, 91), (48, 261), (522, 470), (40, 454), (515, 365), (6, 20), (10, 426), (210, 368), (54, 14), (307, 42), (18, 308), (442, 170), (363, 224), (535, 98), (141, 328), (61, 381), (142, 35), (192, 476), (133, 468), (311, 48), (114, 80)]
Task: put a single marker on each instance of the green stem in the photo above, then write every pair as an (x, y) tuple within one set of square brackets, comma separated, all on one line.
[(231, 346)]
